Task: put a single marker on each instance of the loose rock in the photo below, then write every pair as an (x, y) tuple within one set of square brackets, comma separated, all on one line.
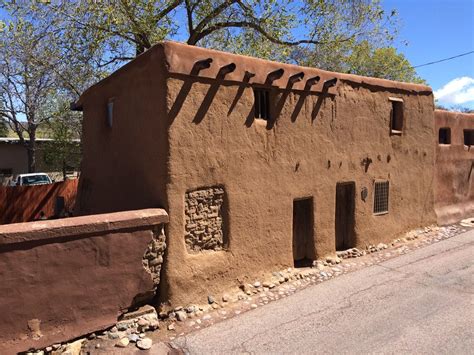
[(144, 344)]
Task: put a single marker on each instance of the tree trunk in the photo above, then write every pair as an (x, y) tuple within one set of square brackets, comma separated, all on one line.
[(31, 152)]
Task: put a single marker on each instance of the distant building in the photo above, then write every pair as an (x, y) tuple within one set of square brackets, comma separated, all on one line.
[(14, 158)]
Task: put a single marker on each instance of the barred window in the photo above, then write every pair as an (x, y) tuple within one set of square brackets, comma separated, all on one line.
[(381, 197)]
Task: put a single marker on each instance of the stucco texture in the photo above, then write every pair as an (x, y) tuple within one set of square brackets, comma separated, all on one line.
[(64, 278), (454, 188), (314, 140)]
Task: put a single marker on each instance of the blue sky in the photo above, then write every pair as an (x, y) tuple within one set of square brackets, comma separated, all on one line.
[(437, 29)]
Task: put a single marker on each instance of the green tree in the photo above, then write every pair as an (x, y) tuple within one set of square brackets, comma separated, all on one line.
[(382, 62), (64, 151), (27, 79), (3, 128), (108, 33)]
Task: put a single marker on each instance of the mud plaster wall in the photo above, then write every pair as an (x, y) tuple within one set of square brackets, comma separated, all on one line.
[(124, 166), (209, 138), (454, 188), (72, 276), (204, 215), (304, 154)]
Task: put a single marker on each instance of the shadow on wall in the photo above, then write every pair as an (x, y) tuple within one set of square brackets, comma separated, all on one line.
[(28, 203), (245, 83)]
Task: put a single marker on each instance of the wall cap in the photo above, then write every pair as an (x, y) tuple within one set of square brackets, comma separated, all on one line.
[(79, 226)]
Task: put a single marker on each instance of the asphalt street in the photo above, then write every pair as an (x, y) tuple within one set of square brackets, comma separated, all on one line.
[(421, 302)]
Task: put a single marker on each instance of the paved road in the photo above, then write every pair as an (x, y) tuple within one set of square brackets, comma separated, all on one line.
[(422, 302)]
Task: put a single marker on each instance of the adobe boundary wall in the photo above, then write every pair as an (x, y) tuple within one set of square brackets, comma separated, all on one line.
[(454, 168), (63, 278)]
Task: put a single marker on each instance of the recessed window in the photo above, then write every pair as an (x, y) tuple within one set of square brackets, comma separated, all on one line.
[(396, 115), (469, 137), (262, 104), (381, 197), (444, 136)]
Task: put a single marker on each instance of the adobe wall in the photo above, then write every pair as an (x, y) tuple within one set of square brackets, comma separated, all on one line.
[(454, 181), (317, 141), (25, 203), (186, 141), (64, 278), (124, 166)]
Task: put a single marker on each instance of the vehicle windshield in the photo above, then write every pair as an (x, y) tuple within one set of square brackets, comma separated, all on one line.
[(34, 179)]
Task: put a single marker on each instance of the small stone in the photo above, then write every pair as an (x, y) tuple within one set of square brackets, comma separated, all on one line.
[(97, 346), (206, 317), (144, 344), (253, 305), (210, 299), (257, 284), (112, 335), (171, 326), (49, 349), (143, 322), (181, 316), (225, 298), (133, 338), (215, 306), (122, 343)]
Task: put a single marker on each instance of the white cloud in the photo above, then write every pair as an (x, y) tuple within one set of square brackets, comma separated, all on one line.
[(458, 91)]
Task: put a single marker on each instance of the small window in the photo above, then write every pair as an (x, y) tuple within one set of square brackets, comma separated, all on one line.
[(469, 137), (444, 136), (381, 197), (262, 104), (396, 116)]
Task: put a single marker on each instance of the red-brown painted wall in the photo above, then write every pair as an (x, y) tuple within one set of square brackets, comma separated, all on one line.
[(454, 181), (24, 203), (73, 275)]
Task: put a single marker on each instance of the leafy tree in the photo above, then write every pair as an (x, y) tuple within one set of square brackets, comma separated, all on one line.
[(108, 33), (26, 81), (3, 128), (64, 152)]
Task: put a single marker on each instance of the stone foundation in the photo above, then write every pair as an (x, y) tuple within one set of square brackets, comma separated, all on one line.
[(153, 258), (204, 228)]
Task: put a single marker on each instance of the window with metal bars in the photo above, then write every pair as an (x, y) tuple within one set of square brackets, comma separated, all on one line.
[(381, 189), (262, 104)]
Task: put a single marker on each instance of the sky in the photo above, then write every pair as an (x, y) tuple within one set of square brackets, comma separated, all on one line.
[(431, 30), (434, 30)]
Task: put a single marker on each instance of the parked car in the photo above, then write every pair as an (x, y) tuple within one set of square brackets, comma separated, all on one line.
[(33, 179)]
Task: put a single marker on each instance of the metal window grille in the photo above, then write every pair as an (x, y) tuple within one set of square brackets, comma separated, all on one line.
[(381, 197), (262, 104)]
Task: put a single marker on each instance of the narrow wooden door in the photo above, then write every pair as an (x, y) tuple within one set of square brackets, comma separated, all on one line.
[(345, 220)]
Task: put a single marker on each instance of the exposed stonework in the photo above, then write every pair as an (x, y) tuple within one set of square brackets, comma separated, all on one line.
[(204, 219), (153, 258)]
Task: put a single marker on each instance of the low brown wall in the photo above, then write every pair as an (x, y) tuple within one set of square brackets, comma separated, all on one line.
[(24, 203), (63, 278), (454, 170)]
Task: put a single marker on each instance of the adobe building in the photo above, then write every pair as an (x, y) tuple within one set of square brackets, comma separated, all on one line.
[(260, 165), (454, 180)]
